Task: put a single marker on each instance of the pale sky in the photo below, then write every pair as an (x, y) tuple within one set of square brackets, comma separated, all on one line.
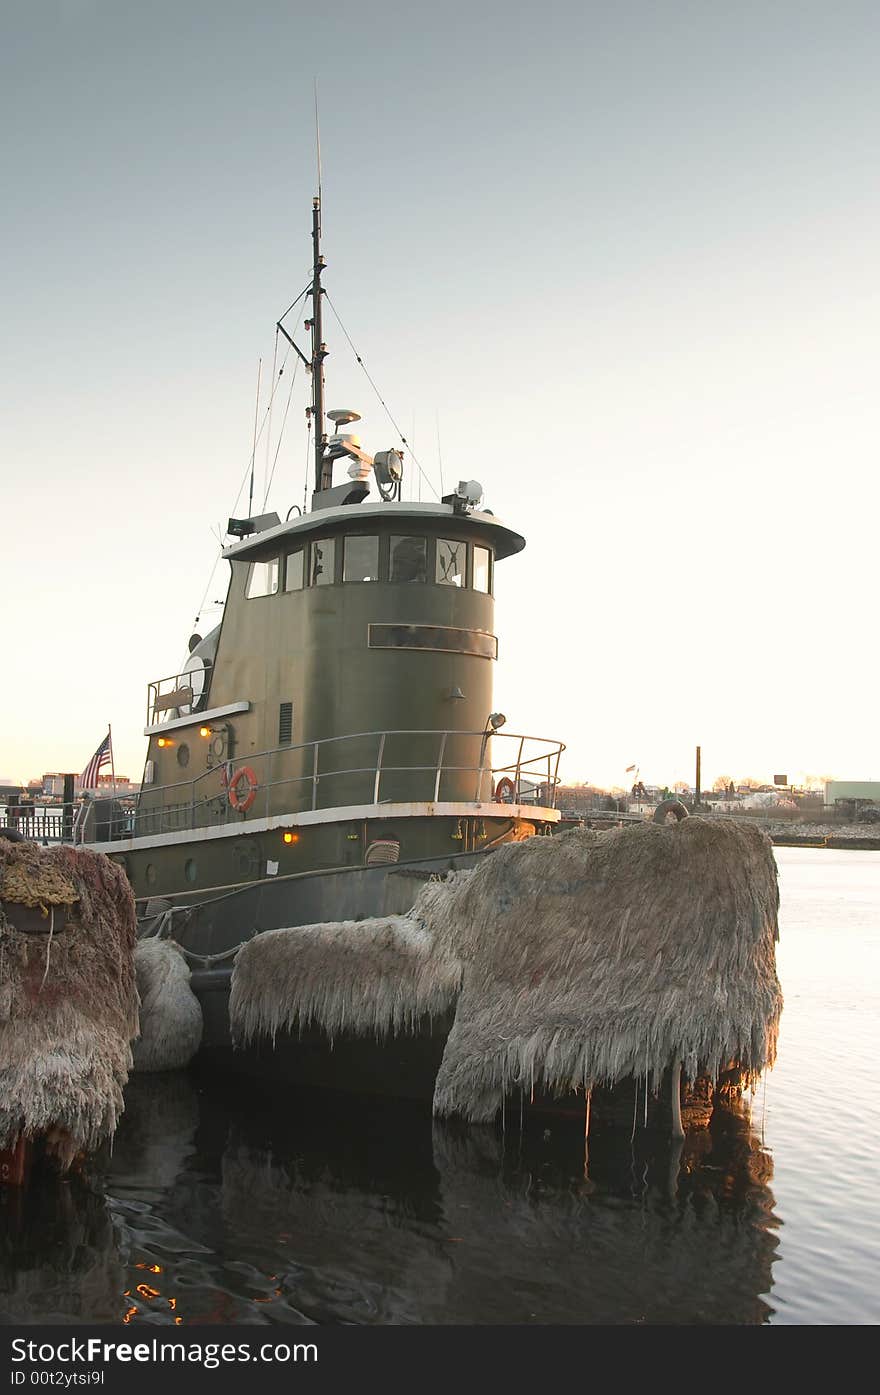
[(625, 255)]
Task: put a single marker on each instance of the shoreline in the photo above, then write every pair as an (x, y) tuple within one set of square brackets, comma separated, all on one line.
[(815, 835)]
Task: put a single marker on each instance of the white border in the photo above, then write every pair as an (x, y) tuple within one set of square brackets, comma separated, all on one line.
[(348, 813)]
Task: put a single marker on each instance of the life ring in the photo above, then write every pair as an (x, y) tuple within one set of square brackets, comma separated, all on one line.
[(505, 791), (242, 801)]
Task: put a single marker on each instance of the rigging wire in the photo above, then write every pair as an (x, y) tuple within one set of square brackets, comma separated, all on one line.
[(257, 438), (269, 428), (280, 433), (262, 429), (380, 397), (302, 295), (256, 418)]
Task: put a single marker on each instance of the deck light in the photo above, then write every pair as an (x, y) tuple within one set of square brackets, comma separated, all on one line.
[(496, 720), (204, 731), (164, 741), (289, 837)]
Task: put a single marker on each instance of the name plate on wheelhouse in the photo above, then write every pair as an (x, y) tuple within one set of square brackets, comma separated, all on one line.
[(443, 637)]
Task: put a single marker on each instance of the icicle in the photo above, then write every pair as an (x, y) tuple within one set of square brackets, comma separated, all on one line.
[(677, 1129), (48, 946)]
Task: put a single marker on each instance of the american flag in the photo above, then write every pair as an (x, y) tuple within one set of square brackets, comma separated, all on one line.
[(89, 778)]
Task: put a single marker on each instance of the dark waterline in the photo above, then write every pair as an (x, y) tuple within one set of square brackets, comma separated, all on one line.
[(221, 1207)]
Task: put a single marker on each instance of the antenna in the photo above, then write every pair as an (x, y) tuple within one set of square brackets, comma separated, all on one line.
[(323, 465), (317, 139)]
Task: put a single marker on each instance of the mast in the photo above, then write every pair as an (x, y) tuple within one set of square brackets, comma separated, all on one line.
[(323, 467)]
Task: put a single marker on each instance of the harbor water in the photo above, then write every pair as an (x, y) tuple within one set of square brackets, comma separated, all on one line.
[(224, 1207)]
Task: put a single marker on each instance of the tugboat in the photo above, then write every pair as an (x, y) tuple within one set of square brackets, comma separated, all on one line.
[(334, 742)]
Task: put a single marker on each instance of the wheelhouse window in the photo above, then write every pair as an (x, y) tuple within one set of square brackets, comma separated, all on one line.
[(322, 563), (451, 562), (409, 559), (262, 579), (482, 569), (294, 571), (360, 559)]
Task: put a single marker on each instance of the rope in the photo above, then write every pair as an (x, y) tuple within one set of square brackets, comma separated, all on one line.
[(164, 928), (163, 923), (48, 947), (380, 397), (206, 960)]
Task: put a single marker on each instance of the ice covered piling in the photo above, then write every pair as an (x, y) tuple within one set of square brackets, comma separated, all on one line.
[(369, 977), (170, 1013), (589, 958), (68, 1001), (572, 961)]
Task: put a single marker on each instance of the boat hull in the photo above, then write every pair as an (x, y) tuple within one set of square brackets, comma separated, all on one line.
[(401, 1066)]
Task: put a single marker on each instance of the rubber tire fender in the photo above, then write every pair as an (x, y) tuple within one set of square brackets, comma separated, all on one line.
[(670, 806)]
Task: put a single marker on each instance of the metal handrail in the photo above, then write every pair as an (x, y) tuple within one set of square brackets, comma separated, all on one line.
[(181, 694), (194, 803)]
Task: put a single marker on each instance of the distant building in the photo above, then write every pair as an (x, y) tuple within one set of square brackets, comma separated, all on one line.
[(865, 791)]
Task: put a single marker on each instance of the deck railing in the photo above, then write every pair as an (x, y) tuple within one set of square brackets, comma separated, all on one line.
[(178, 693), (38, 824), (366, 768)]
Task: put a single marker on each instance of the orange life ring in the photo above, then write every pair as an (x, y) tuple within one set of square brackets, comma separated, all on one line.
[(239, 801), (505, 791)]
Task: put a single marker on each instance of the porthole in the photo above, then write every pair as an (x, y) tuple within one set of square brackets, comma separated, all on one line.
[(190, 870), (183, 754)]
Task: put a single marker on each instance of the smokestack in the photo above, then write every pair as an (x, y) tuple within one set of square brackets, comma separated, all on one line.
[(697, 781)]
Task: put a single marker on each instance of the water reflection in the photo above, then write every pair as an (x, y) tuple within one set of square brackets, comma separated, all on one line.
[(59, 1257), (300, 1209)]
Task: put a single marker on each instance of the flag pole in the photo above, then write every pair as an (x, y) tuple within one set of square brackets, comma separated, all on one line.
[(112, 763)]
